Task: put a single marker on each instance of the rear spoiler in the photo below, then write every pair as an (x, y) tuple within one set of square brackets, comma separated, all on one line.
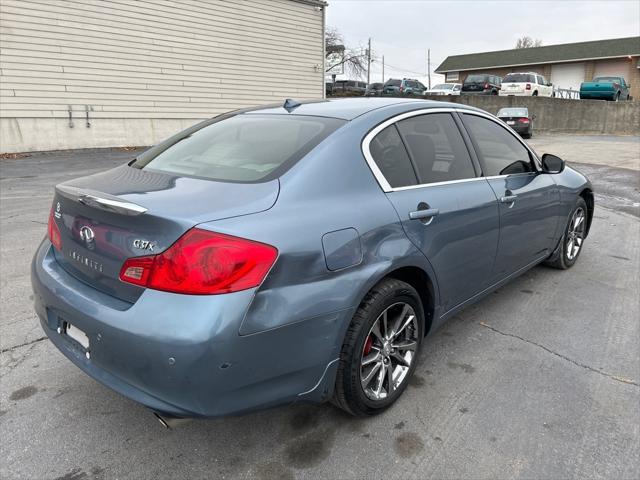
[(100, 200)]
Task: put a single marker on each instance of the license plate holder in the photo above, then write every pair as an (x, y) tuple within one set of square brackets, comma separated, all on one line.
[(510, 122), (75, 334)]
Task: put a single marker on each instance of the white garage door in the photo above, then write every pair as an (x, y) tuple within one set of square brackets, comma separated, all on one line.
[(567, 75), (612, 68)]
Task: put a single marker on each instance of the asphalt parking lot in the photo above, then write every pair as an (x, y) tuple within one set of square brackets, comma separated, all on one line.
[(539, 380)]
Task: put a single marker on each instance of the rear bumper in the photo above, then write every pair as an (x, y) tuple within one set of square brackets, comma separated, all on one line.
[(597, 95), (520, 128), (484, 92), (502, 93), (182, 355)]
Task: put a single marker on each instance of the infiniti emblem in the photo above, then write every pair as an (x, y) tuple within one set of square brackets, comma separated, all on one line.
[(87, 236)]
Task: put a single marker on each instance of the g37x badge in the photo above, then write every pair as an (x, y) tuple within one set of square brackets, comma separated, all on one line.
[(143, 244)]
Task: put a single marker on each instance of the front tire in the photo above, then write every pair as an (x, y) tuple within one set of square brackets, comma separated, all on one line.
[(380, 350), (573, 238)]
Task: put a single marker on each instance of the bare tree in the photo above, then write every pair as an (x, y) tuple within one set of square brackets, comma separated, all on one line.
[(528, 42), (353, 60)]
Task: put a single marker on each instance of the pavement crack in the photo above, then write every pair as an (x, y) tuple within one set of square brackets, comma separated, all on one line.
[(617, 378), (15, 347)]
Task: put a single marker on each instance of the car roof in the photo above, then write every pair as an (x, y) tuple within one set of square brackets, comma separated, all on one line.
[(350, 108)]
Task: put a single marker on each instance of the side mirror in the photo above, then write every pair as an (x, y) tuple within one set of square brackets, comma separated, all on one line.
[(552, 164)]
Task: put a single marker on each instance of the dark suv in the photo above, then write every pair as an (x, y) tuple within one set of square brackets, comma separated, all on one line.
[(406, 86), (481, 85)]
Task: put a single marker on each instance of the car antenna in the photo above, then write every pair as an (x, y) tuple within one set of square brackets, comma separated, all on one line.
[(290, 104)]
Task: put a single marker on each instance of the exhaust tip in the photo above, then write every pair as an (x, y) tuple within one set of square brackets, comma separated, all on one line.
[(170, 422)]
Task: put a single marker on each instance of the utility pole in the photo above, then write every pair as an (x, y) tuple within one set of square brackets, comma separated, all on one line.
[(429, 66), (382, 68), (369, 62)]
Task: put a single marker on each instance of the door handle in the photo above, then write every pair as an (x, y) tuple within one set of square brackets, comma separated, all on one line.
[(508, 199), (422, 214)]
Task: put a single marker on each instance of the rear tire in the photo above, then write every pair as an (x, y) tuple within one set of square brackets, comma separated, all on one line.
[(371, 353), (573, 238), (534, 94)]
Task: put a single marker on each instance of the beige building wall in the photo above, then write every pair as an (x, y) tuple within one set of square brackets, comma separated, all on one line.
[(144, 69)]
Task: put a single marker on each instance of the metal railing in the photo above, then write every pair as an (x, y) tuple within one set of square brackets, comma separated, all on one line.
[(567, 93)]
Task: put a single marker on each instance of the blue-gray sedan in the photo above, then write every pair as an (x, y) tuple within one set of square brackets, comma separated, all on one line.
[(297, 253)]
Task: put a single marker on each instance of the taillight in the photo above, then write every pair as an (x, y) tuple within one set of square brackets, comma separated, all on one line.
[(53, 232), (486, 86), (615, 85), (523, 120), (202, 263), (528, 87)]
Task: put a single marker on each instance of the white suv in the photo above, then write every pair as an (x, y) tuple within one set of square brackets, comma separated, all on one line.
[(529, 84)]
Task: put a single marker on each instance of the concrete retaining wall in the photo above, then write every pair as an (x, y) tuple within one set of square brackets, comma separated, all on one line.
[(564, 116)]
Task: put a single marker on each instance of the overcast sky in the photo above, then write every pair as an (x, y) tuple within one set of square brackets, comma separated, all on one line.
[(402, 31)]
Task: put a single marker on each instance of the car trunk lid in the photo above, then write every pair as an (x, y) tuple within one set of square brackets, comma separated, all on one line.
[(127, 212)]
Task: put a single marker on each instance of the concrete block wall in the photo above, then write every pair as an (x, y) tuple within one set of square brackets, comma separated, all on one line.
[(564, 116)]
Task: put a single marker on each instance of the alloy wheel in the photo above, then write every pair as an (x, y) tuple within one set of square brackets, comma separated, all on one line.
[(389, 350), (575, 233)]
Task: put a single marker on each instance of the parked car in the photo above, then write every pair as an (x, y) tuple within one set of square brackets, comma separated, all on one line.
[(349, 86), (605, 88), (406, 86), (374, 90), (519, 119), (445, 89), (529, 84), (481, 84), (289, 254)]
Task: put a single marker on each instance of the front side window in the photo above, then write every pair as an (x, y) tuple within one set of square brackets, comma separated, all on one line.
[(392, 159), (437, 148), (541, 80), (243, 148), (500, 152)]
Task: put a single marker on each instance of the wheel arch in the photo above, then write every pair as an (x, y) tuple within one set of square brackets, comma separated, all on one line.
[(420, 280), (587, 195)]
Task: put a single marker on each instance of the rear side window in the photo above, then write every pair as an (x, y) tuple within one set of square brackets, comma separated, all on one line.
[(500, 152), (392, 159), (243, 148), (437, 148)]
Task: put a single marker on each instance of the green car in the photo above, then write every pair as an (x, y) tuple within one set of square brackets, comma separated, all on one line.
[(406, 86), (605, 88)]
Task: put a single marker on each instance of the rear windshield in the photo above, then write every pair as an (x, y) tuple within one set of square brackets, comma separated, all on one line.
[(393, 83), (519, 77), (476, 78), (243, 148), (513, 112), (606, 79)]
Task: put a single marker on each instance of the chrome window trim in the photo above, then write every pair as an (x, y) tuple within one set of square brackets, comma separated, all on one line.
[(380, 178)]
